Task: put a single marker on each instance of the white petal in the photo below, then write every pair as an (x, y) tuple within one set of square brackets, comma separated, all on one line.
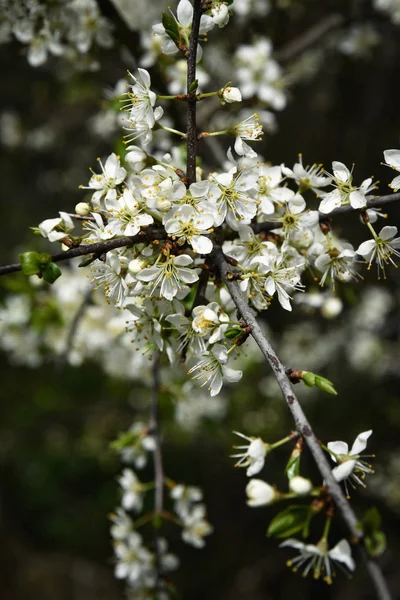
[(202, 244), (184, 13), (330, 202), (357, 200), (342, 553), (344, 470), (340, 171), (338, 448), (392, 157), (366, 247), (360, 443), (388, 232)]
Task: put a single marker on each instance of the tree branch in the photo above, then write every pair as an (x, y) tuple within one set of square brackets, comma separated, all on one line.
[(99, 248), (191, 151), (158, 466), (302, 424), (80, 313), (372, 202), (158, 233), (309, 37)]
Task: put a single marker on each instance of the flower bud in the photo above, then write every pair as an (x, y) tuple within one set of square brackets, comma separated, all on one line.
[(300, 486), (82, 209), (231, 94), (163, 204), (135, 266), (259, 493)]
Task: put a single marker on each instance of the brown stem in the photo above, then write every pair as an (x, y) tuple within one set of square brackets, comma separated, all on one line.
[(158, 467), (191, 107)]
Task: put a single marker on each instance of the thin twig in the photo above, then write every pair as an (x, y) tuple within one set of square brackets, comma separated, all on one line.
[(99, 248), (74, 327), (191, 106), (302, 424), (310, 37), (158, 233), (372, 202), (158, 466)]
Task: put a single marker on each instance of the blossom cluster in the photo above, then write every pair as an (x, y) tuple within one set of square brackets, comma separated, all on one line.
[(273, 236), (66, 28), (144, 569), (351, 469)]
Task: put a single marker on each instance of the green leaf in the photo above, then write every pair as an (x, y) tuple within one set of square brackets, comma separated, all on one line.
[(51, 272), (44, 259), (292, 468), (30, 263), (171, 27), (233, 333), (87, 261), (188, 300), (290, 521), (371, 520), (309, 378), (193, 86), (375, 543), (324, 384)]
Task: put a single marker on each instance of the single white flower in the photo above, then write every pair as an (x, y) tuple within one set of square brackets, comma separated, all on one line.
[(230, 198), (132, 498), (185, 496), (105, 183), (253, 456), (196, 527), (307, 177), (249, 129), (220, 14), (345, 192), (319, 559), (187, 225), (279, 278), (126, 215), (336, 264), (381, 248), (133, 561), (392, 160), (259, 493), (139, 446), (111, 274), (56, 229), (183, 18), (212, 370), (122, 524), (140, 99), (350, 467), (170, 275), (142, 128)]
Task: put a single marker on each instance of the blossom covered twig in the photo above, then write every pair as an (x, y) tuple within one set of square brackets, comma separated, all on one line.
[(302, 424)]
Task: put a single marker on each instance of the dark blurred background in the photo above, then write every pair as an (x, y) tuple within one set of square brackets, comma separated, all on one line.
[(57, 473)]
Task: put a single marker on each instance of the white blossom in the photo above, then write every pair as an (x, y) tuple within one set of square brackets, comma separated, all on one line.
[(212, 370), (350, 467), (381, 248), (319, 559), (253, 456)]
